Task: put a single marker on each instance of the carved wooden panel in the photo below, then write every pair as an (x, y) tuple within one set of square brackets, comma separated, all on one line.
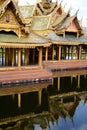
[(9, 18)]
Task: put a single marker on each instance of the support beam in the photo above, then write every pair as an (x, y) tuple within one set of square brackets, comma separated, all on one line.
[(39, 97), (79, 53), (78, 81), (13, 57), (2, 56), (72, 53), (15, 61), (6, 56), (59, 53), (26, 56), (58, 83), (53, 52), (86, 54), (46, 55), (40, 56), (19, 100), (19, 57)]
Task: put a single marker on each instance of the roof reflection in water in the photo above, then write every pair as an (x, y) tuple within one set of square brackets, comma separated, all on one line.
[(49, 106)]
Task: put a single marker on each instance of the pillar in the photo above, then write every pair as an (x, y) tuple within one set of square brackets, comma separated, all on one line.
[(46, 55), (86, 54), (71, 79), (52, 81), (58, 83), (53, 52), (79, 53), (40, 56), (15, 61), (13, 57), (19, 57), (72, 54), (59, 53), (78, 81), (26, 56), (2, 56), (68, 52), (19, 100), (39, 97), (10, 56), (6, 56)]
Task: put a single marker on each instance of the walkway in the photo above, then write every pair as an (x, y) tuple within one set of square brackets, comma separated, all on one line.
[(26, 75), (29, 75), (65, 65)]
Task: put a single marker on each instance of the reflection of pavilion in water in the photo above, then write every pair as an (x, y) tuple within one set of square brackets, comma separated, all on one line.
[(68, 81), (37, 98)]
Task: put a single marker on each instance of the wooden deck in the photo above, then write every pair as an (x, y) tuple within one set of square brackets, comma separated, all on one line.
[(65, 65), (26, 75), (23, 88), (32, 75)]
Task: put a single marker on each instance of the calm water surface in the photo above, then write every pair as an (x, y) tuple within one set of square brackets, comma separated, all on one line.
[(61, 105)]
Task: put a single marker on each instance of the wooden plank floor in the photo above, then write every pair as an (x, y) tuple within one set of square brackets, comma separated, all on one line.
[(65, 65), (38, 73), (20, 75)]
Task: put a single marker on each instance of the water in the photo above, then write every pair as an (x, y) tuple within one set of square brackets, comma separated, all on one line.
[(61, 105)]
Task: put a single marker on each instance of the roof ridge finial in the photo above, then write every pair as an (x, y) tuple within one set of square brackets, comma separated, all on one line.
[(61, 2), (70, 9), (81, 20), (64, 5), (77, 12)]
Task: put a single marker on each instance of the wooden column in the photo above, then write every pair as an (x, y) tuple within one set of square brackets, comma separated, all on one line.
[(39, 97), (71, 79), (53, 52), (64, 52), (40, 56), (26, 56), (10, 56), (58, 83), (86, 54), (59, 53), (13, 57), (19, 100), (72, 54), (78, 81), (46, 55), (68, 52), (19, 57), (79, 53), (52, 81), (2, 56), (6, 56)]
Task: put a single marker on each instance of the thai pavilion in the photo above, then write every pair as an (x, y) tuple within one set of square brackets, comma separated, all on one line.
[(41, 32)]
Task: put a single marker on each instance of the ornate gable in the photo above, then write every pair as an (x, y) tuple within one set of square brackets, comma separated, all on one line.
[(72, 27), (10, 18)]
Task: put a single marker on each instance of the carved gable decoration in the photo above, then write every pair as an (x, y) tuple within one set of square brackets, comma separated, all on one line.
[(74, 26), (10, 17)]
